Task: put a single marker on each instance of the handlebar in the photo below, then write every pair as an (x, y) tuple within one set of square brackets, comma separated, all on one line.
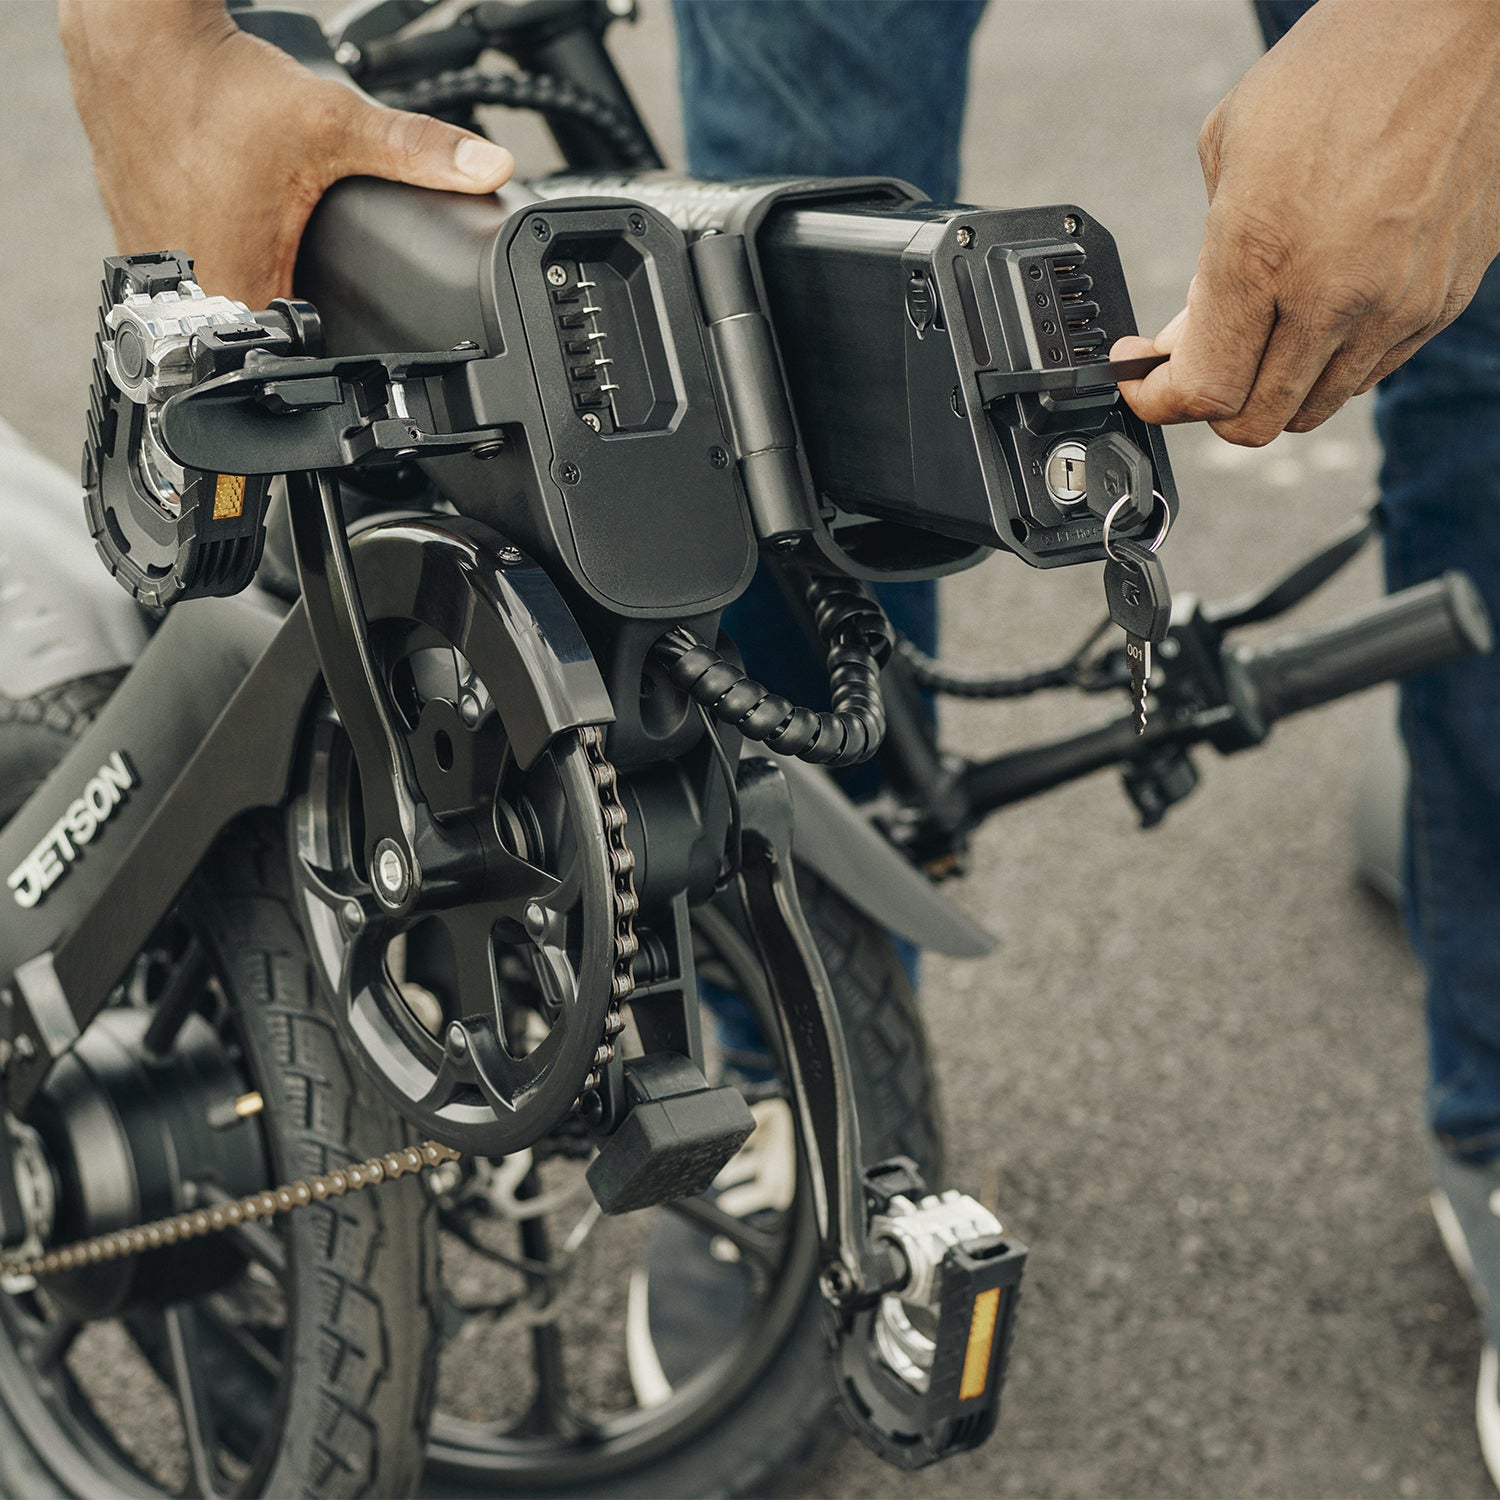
[(1414, 631)]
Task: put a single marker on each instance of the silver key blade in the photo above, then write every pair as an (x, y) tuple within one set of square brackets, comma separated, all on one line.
[(1138, 655)]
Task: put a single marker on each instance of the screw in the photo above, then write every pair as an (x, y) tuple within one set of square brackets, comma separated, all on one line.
[(637, 223), (788, 543), (352, 914), (965, 236), (591, 421), (557, 275), (718, 458), (347, 55), (457, 1041), (536, 920), (510, 557), (463, 345), (541, 229), (570, 473), (488, 450), (391, 873), (1072, 223)]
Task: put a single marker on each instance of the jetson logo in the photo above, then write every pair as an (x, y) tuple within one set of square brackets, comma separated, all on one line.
[(62, 844)]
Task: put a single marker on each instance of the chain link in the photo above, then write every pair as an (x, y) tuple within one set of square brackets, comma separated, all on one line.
[(197, 1222), (626, 902)]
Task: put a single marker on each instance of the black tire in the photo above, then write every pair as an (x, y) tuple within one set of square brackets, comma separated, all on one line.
[(345, 1413), (785, 1422), (35, 733)]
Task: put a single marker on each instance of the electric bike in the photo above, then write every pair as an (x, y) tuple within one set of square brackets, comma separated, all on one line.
[(432, 959)]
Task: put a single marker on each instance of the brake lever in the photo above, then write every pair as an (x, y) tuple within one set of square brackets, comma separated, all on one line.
[(1304, 579)]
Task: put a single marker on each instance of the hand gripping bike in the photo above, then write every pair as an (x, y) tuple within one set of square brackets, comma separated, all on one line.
[(437, 705)]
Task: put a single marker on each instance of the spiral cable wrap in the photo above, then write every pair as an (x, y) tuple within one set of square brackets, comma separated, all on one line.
[(858, 636), (462, 87)]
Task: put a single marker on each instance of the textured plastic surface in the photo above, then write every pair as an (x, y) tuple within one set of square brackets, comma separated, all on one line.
[(671, 1146)]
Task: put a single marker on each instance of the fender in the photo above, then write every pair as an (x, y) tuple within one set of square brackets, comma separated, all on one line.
[(208, 723), (835, 840)]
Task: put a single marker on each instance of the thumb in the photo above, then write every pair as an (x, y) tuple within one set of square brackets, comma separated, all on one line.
[(379, 142)]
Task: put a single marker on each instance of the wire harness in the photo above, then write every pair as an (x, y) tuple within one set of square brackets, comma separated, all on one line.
[(858, 638)]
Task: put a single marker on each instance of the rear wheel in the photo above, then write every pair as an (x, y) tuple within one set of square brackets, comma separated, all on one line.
[(288, 1357), (680, 1350)]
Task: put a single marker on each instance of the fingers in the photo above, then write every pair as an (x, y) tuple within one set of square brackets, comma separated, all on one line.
[(373, 141)]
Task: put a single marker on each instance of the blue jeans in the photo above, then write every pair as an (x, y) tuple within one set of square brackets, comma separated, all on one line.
[(830, 86), (1438, 417)]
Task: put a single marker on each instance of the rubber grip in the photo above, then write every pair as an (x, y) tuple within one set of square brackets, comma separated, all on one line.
[(1420, 628)]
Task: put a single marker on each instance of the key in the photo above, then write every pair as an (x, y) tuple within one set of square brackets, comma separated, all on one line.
[(1140, 602), (1113, 466)]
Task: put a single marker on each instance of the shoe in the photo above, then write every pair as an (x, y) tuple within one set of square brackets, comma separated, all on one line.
[(1466, 1205), (692, 1295)]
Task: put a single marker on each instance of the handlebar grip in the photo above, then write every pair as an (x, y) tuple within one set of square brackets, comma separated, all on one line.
[(1420, 628)]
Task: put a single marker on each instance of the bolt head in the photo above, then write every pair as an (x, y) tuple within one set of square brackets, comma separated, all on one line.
[(536, 919), (456, 1040), (1072, 223), (352, 914), (390, 869), (965, 236), (557, 275), (591, 421)]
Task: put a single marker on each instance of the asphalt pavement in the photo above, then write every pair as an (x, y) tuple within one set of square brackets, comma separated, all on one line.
[(1191, 1073)]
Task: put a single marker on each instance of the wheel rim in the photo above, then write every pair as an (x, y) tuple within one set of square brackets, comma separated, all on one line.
[(554, 1441)]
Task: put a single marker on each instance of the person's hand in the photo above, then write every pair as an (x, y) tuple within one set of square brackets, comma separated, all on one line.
[(209, 140), (1354, 204)]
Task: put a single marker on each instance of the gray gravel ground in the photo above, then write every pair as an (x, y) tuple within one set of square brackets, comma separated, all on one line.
[(1193, 1069)]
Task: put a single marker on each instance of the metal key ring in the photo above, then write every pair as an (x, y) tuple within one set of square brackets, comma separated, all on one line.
[(1161, 536)]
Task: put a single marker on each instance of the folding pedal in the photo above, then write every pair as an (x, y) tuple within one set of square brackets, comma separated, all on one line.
[(921, 1370), (677, 1134)]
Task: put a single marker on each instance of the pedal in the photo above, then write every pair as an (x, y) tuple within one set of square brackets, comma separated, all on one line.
[(677, 1134), (920, 1372)]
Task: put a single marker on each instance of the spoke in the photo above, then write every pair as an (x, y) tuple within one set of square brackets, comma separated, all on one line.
[(179, 998), (762, 1247), (550, 1412), (239, 1334), (53, 1344), (197, 1418), (258, 1242)]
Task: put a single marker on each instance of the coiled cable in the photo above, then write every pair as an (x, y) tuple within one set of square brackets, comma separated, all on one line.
[(461, 88), (858, 638)]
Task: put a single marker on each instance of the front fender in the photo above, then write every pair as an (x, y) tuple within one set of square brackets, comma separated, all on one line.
[(834, 839)]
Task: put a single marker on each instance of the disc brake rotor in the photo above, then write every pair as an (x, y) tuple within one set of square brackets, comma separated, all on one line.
[(484, 1021)]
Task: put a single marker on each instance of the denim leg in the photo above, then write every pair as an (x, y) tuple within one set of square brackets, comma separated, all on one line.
[(836, 88), (1439, 421), (839, 88)]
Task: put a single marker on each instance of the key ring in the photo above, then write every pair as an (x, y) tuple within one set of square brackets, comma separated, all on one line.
[(1161, 536)]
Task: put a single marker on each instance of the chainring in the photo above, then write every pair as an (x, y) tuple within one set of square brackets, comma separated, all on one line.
[(485, 1022)]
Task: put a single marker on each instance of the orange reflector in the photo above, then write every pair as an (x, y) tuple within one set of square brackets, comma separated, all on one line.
[(981, 1339), (229, 497)]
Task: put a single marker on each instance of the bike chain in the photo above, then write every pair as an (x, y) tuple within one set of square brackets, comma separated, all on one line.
[(393, 1165)]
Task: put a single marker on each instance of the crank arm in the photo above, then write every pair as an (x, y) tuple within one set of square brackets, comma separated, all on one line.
[(853, 1269)]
